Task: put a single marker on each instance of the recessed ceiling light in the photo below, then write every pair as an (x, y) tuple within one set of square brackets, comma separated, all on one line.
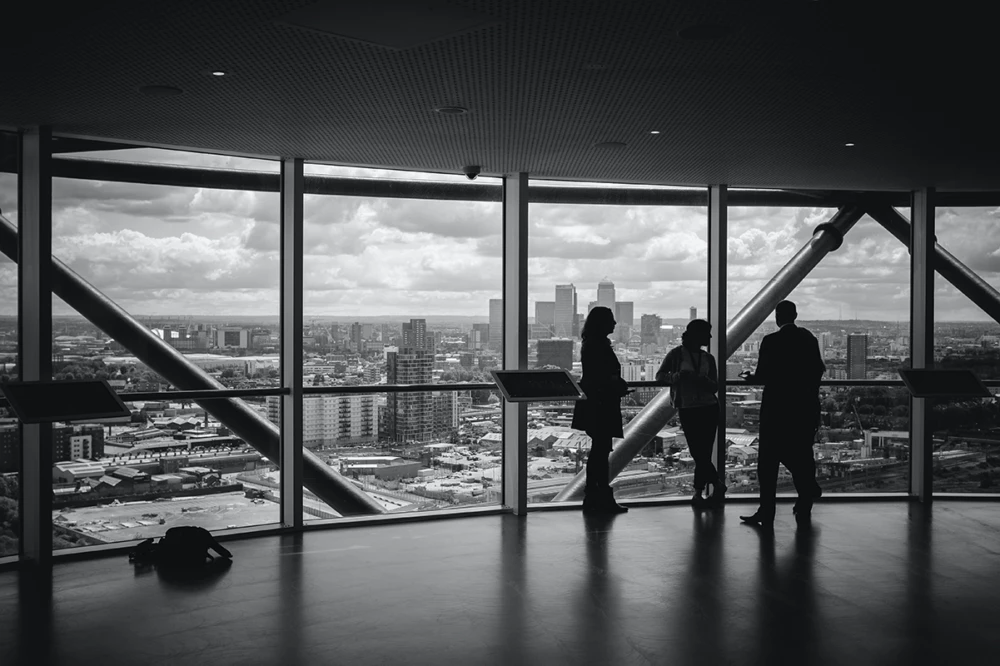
[(218, 72), (452, 110), (849, 145), (654, 131), (609, 144), (704, 31), (160, 91)]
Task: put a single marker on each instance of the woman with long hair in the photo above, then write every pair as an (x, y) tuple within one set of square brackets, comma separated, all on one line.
[(600, 415), (693, 377)]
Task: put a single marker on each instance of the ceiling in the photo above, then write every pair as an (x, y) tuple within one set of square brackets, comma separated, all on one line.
[(770, 103)]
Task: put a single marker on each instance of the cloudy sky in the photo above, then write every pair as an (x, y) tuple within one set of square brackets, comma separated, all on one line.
[(190, 251)]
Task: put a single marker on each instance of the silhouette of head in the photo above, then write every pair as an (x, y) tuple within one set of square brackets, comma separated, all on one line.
[(697, 334), (785, 313), (600, 321)]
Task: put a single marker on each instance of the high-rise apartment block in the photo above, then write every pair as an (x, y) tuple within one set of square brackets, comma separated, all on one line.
[(632, 372), (333, 420), (409, 416), (565, 316), (479, 337), (556, 352), (415, 336), (857, 356), (496, 323)]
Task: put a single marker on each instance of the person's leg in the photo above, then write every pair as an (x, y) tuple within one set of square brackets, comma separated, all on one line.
[(801, 462), (768, 458), (693, 429), (598, 470), (703, 423)]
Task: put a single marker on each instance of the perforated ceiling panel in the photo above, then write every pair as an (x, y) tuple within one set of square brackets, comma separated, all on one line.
[(771, 103)]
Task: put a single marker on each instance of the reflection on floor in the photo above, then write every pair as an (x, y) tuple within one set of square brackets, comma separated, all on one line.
[(867, 583)]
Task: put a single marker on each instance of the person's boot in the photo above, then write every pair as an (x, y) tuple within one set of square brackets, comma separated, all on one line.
[(608, 504), (698, 500)]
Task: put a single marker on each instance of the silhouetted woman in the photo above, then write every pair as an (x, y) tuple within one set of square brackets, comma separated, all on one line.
[(693, 378), (600, 415)]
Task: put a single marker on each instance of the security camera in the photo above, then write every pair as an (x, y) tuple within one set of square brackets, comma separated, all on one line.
[(472, 171)]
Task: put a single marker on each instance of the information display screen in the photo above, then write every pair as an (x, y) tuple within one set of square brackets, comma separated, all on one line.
[(944, 383), (537, 385), (74, 400)]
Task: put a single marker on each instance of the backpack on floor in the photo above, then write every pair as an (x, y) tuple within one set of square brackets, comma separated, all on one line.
[(185, 546)]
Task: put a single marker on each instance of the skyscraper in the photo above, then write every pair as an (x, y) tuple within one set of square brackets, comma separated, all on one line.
[(693, 313), (649, 328), (415, 336), (557, 352), (624, 313), (410, 416), (496, 323), (606, 294), (545, 313), (857, 356), (565, 311), (479, 337)]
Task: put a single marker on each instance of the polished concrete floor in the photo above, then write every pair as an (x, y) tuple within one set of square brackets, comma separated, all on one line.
[(867, 583)]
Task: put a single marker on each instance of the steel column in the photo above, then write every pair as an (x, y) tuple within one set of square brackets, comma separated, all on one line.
[(34, 336), (651, 419), (291, 341), (921, 338), (160, 357), (718, 245), (951, 269), (515, 338)]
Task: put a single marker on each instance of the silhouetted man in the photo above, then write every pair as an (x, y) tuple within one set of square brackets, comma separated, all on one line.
[(790, 366)]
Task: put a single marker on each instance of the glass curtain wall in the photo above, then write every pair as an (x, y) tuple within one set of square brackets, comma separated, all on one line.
[(198, 268), (10, 430), (648, 263), (856, 303), (404, 290), (967, 432)]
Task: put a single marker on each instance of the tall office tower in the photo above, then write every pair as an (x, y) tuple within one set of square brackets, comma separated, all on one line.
[(632, 372), (415, 336), (824, 342), (409, 416), (557, 352), (496, 323), (479, 337), (606, 294), (565, 311), (356, 337), (857, 356), (694, 313), (624, 313), (545, 313), (649, 328)]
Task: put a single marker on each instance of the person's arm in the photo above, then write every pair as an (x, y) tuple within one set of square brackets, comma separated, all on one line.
[(711, 382), (665, 375), (763, 366)]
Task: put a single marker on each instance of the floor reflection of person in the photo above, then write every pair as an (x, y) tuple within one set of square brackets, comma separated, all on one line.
[(600, 415), (693, 377), (790, 367)]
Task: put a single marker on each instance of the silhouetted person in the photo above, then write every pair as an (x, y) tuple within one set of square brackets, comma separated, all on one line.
[(600, 415), (693, 377), (181, 547), (790, 366)]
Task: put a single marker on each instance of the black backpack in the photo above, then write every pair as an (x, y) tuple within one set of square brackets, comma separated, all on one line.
[(185, 546)]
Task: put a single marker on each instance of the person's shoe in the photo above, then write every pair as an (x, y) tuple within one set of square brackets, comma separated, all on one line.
[(718, 497), (697, 501), (609, 503), (802, 508), (758, 520)]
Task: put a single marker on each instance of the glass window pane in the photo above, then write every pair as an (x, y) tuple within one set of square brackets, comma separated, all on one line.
[(967, 432), (404, 291), (10, 430), (649, 264), (856, 303), (198, 268)]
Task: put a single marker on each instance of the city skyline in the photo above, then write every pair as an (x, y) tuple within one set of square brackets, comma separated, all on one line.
[(170, 251)]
